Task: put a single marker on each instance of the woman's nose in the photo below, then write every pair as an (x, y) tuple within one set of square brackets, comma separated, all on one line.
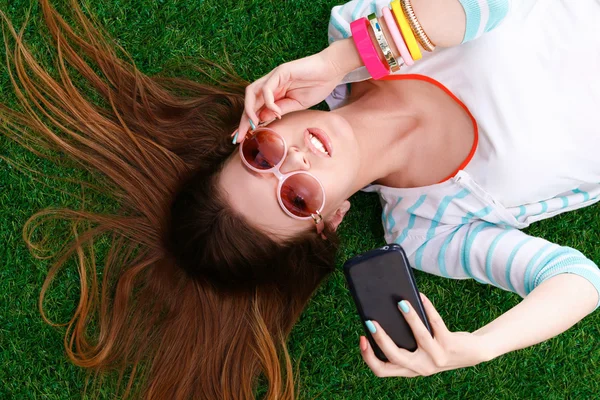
[(296, 160)]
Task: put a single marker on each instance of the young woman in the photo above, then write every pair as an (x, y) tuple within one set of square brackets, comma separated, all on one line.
[(216, 248), (465, 148)]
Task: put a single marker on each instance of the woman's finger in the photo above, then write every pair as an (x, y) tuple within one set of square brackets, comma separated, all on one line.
[(240, 134), (435, 320), (245, 126), (269, 99), (266, 115), (380, 368), (394, 354), (286, 105), (424, 339), (275, 82), (252, 102)]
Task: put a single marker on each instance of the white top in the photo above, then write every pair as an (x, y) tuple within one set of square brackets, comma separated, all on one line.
[(531, 84)]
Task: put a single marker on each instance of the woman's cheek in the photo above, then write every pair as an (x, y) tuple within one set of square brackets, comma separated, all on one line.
[(334, 190)]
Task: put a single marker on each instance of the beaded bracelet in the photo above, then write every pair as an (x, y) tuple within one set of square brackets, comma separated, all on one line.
[(397, 36), (366, 49), (383, 43), (407, 33), (416, 27)]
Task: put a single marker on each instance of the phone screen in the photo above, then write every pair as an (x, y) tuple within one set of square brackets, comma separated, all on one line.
[(379, 281)]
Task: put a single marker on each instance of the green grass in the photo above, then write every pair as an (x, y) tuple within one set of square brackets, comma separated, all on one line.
[(257, 36)]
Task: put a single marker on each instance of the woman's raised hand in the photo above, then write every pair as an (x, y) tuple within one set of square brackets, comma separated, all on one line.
[(293, 86), (297, 85)]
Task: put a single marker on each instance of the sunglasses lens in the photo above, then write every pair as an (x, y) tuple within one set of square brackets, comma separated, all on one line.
[(263, 150), (301, 194)]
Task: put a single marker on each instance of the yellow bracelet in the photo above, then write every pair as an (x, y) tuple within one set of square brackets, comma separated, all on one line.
[(407, 33), (417, 29)]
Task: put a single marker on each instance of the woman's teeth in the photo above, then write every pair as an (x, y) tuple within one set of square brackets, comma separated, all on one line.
[(317, 143)]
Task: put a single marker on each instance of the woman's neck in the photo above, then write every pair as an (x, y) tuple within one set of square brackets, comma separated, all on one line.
[(385, 138), (411, 133)]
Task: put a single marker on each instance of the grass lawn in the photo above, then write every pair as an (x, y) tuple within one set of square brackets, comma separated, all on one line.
[(257, 36)]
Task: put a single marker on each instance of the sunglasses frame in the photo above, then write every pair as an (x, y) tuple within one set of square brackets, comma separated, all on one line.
[(275, 170)]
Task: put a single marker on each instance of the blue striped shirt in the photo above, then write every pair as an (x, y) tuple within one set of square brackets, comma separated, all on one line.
[(536, 156)]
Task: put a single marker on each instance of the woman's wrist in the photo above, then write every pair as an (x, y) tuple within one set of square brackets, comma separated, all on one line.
[(343, 55), (485, 347), (445, 32)]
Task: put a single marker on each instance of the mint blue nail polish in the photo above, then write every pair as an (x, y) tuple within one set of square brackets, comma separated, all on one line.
[(371, 326), (252, 124), (235, 138), (403, 306)]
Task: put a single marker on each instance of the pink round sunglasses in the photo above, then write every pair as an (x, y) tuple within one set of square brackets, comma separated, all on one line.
[(300, 194)]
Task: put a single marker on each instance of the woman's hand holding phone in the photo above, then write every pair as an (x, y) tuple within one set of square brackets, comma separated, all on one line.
[(445, 351)]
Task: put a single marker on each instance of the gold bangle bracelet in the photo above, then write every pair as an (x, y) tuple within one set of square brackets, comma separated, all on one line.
[(383, 44), (416, 27)]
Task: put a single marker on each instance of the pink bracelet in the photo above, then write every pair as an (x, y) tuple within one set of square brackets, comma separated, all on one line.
[(366, 49), (397, 36)]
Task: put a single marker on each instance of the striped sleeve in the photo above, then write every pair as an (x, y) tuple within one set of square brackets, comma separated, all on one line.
[(483, 16), (497, 255)]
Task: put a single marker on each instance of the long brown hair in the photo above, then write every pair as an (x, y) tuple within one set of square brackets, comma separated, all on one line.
[(193, 302)]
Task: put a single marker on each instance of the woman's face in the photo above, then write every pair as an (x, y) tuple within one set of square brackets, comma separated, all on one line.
[(254, 194)]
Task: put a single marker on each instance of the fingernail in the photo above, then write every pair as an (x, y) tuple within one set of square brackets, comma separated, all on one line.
[(235, 138), (278, 115), (403, 306), (234, 133), (371, 326), (363, 343), (251, 124)]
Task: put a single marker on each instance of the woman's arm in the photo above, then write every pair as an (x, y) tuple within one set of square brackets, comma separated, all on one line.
[(447, 23), (552, 308), (560, 286), (444, 22), (303, 83), (549, 310)]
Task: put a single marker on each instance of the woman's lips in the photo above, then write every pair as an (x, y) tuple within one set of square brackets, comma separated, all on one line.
[(323, 138)]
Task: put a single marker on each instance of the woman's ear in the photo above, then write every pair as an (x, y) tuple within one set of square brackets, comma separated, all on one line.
[(336, 219)]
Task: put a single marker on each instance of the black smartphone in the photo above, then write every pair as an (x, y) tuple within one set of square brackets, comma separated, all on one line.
[(378, 280)]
